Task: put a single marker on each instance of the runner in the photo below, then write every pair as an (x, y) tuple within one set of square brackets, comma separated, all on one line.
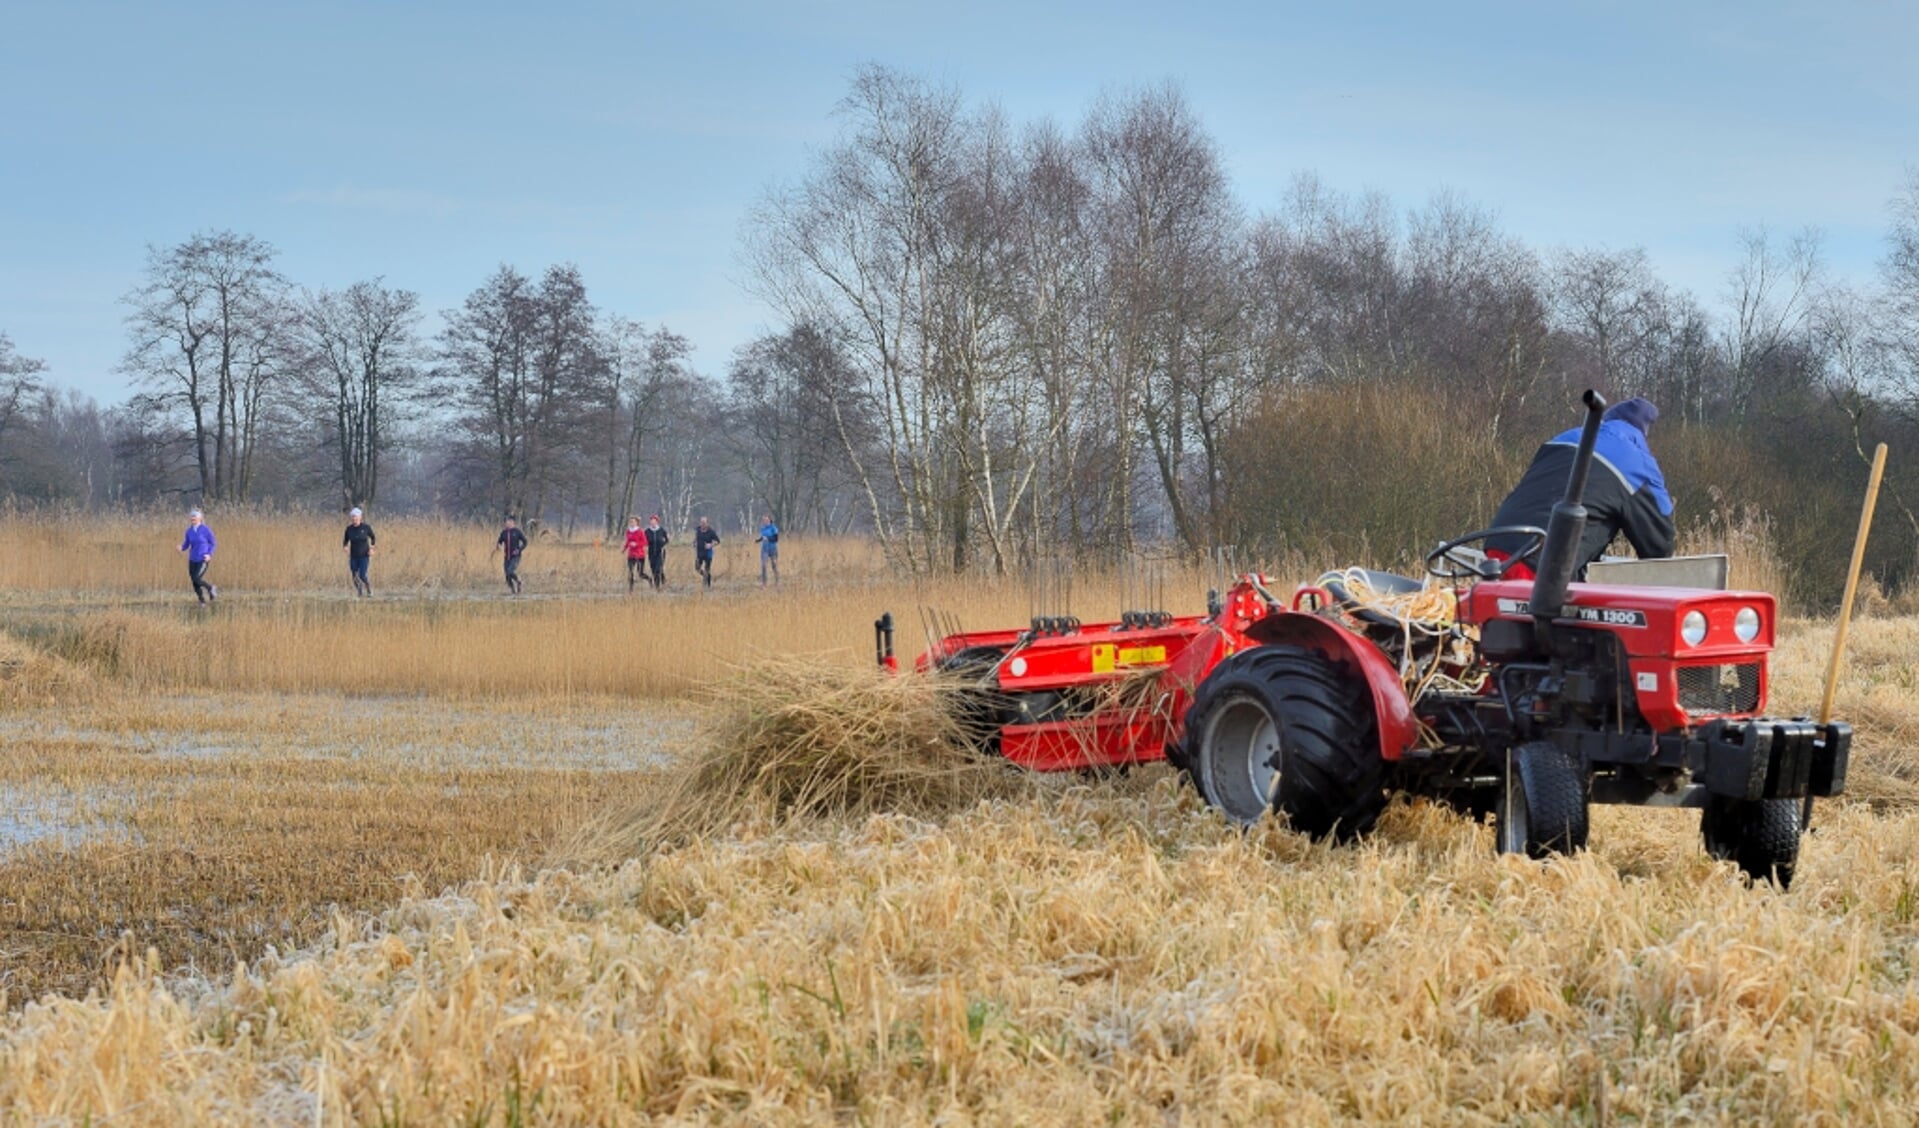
[(635, 553), (656, 551), (198, 545), (769, 549), (704, 538), (512, 542), (358, 546)]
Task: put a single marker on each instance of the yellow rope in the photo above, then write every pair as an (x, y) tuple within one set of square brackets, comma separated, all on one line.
[(1432, 612)]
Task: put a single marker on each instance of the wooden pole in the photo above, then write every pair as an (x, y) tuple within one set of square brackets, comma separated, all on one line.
[(1852, 583)]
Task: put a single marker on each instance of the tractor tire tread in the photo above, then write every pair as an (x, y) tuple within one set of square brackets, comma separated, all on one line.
[(1332, 781), (1761, 836), (1558, 807)]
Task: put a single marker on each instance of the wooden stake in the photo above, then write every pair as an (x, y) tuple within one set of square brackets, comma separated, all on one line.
[(1852, 582)]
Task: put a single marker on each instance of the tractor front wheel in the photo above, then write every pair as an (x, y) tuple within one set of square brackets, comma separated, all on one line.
[(1542, 802), (1279, 727), (1761, 835)]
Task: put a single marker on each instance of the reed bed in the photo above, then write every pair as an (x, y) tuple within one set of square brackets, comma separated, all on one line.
[(300, 888), (641, 646), (1878, 695), (91, 555), (85, 557), (1106, 955), (213, 829)]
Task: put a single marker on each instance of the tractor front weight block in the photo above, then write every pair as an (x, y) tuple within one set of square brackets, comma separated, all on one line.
[(1765, 758)]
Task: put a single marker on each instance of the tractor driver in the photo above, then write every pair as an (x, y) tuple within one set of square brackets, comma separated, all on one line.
[(1625, 492)]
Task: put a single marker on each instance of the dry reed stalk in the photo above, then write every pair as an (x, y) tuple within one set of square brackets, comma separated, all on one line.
[(1097, 955), (486, 646), (1138, 696), (212, 827), (1878, 696), (30, 677), (797, 738), (46, 554), (1745, 536)]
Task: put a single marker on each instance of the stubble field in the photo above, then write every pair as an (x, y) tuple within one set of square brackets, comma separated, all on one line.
[(300, 858)]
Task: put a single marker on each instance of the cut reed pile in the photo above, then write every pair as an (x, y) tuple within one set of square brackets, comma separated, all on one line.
[(31, 677), (803, 738)]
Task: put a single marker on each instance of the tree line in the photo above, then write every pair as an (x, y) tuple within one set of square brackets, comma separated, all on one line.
[(1002, 341), (1080, 340), (527, 399)]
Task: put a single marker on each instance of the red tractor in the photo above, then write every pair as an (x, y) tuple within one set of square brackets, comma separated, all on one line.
[(1525, 699)]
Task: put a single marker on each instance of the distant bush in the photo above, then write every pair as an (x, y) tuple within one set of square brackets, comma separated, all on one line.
[(1378, 473), (1373, 474)]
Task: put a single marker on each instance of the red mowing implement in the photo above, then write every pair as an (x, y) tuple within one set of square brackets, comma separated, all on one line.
[(1526, 700)]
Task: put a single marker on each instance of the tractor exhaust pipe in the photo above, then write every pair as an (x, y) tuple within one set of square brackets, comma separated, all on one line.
[(1564, 530)]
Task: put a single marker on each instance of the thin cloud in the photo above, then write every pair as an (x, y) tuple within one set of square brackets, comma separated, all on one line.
[(393, 201)]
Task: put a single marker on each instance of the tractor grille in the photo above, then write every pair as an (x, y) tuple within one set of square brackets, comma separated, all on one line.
[(1719, 689)]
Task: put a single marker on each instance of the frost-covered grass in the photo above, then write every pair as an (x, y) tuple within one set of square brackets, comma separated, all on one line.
[(1099, 954)]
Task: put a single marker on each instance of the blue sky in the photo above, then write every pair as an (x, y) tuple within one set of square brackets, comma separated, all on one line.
[(429, 143)]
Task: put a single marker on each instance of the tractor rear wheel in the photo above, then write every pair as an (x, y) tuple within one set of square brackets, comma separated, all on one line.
[(1761, 835), (1542, 802), (1278, 727)]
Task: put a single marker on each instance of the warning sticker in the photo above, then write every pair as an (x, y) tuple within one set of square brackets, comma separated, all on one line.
[(1142, 656), (1103, 658)]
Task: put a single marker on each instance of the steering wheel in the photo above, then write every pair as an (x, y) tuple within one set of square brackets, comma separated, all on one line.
[(1447, 563)]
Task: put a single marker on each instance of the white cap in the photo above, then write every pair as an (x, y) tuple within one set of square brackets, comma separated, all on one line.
[(354, 512), (195, 513)]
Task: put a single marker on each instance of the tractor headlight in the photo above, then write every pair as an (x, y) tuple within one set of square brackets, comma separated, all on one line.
[(1692, 628), (1746, 624)]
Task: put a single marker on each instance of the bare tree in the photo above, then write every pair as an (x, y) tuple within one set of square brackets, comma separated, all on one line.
[(787, 397), (1898, 329), (486, 363), (62, 450), (19, 383), (1475, 301), (642, 366), (523, 362), (1345, 266), (1605, 298), (210, 330), (853, 249), (362, 357), (1773, 292), (1055, 329), (567, 366), (683, 446), (1168, 228)]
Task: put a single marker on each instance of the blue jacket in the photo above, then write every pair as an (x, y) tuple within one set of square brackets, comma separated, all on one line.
[(1622, 448), (198, 543), (1625, 493)]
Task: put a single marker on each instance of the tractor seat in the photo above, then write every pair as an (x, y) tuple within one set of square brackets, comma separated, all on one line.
[(1382, 583), (1390, 583)]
